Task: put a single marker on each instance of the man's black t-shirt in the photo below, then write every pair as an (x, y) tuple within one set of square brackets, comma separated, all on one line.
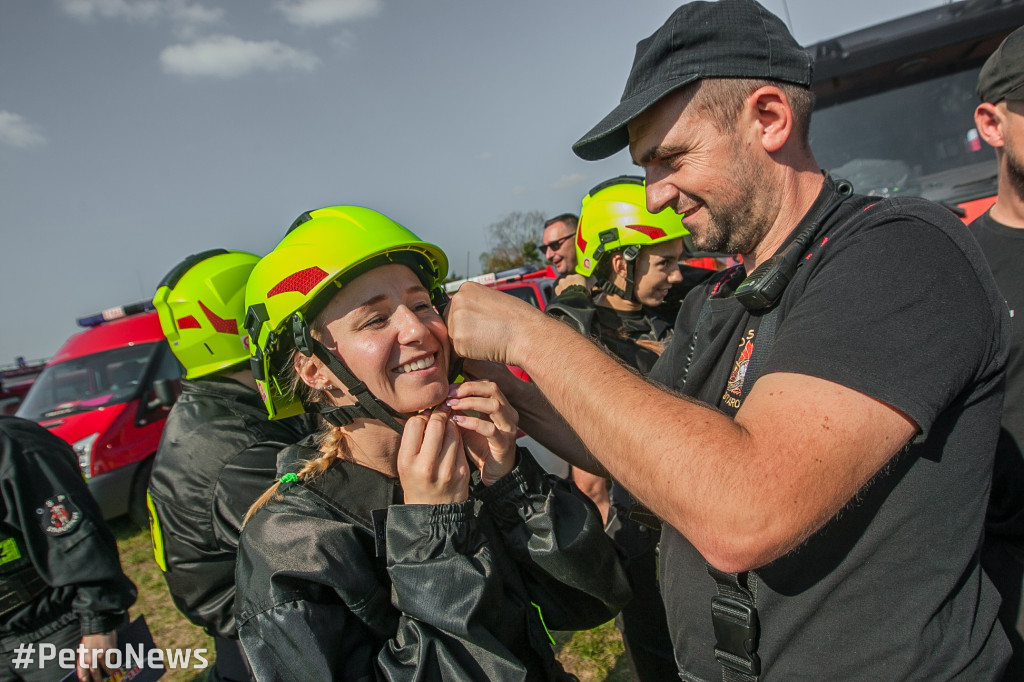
[(893, 300), (1003, 554), (1004, 248)]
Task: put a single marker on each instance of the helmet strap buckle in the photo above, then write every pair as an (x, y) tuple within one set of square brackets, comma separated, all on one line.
[(301, 335), (606, 237)]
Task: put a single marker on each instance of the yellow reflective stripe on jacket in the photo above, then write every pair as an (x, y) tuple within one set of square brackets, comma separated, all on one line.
[(155, 535)]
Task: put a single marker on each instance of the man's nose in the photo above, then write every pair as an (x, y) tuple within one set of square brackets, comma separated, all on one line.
[(659, 191)]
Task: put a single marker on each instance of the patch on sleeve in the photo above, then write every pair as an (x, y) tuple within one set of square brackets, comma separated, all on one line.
[(59, 515)]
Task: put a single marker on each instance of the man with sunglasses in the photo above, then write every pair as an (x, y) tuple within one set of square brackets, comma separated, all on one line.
[(559, 247)]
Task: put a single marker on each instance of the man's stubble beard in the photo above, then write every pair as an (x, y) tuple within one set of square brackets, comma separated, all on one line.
[(1015, 172), (740, 221)]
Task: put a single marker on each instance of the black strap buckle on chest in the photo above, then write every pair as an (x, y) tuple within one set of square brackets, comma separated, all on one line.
[(639, 513), (19, 588), (736, 635), (736, 625)]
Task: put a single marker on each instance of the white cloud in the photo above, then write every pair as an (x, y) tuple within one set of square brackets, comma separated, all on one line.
[(186, 17), (326, 12), (483, 156), (345, 39), (141, 10), (567, 181), (224, 56), (17, 132)]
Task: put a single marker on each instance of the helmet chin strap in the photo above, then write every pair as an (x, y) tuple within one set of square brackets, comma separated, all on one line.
[(629, 293), (368, 406)]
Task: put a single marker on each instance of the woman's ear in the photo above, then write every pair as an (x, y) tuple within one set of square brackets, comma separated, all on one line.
[(311, 371), (619, 265)]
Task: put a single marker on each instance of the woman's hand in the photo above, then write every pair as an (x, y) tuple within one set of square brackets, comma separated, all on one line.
[(432, 465), (488, 425)]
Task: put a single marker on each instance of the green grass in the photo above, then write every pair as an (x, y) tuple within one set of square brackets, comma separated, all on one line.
[(592, 655), (169, 628)]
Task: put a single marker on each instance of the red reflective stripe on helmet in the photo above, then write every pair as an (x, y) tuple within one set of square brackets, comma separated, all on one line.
[(303, 281), (219, 323), (188, 322), (652, 232), (581, 243)]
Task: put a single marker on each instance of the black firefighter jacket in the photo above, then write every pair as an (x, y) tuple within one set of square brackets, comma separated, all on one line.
[(337, 580), (51, 526), (218, 453)]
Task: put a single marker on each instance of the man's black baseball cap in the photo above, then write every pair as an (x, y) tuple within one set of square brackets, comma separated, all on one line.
[(724, 39), (1002, 76)]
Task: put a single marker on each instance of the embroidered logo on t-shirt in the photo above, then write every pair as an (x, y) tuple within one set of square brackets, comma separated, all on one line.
[(734, 388)]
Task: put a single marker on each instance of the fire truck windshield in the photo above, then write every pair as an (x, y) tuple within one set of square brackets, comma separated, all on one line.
[(914, 140), (88, 382)]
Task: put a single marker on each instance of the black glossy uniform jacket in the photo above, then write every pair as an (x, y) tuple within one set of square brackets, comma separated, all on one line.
[(338, 580), (218, 453), (54, 543)]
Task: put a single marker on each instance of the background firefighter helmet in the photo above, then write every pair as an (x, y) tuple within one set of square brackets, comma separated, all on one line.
[(614, 215), (322, 251), (201, 306)]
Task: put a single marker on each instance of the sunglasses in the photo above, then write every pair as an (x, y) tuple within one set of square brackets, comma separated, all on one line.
[(555, 244)]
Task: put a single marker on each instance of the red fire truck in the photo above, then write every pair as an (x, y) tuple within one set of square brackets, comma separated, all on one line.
[(107, 391)]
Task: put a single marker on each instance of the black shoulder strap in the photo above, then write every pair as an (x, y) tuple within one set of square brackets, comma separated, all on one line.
[(762, 344), (734, 610)]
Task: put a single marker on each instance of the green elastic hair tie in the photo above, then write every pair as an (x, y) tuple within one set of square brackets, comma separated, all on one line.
[(289, 478)]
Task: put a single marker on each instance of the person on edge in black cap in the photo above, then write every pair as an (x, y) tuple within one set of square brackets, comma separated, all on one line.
[(1000, 231), (818, 436)]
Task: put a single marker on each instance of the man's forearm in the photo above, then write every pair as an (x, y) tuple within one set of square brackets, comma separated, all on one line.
[(743, 490)]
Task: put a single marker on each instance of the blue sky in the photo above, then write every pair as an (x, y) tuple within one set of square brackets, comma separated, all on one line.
[(136, 132)]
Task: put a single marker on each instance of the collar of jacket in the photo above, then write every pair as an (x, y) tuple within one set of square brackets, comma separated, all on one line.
[(222, 387), (353, 490)]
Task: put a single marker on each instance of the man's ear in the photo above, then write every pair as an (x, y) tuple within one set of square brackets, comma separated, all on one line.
[(988, 119), (769, 107)]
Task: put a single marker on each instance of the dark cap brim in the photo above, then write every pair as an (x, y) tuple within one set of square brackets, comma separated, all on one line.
[(1016, 93), (610, 135)]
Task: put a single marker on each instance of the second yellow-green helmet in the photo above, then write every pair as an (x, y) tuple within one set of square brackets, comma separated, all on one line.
[(614, 215), (322, 251), (201, 307)]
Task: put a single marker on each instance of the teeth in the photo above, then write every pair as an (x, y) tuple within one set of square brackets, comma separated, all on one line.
[(422, 363)]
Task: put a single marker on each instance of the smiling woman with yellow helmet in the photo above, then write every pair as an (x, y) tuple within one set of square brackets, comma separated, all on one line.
[(381, 553)]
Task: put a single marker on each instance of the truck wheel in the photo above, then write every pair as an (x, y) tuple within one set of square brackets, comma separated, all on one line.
[(137, 510)]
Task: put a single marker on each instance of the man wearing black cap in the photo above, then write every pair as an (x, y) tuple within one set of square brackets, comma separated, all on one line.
[(1000, 122), (823, 477)]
